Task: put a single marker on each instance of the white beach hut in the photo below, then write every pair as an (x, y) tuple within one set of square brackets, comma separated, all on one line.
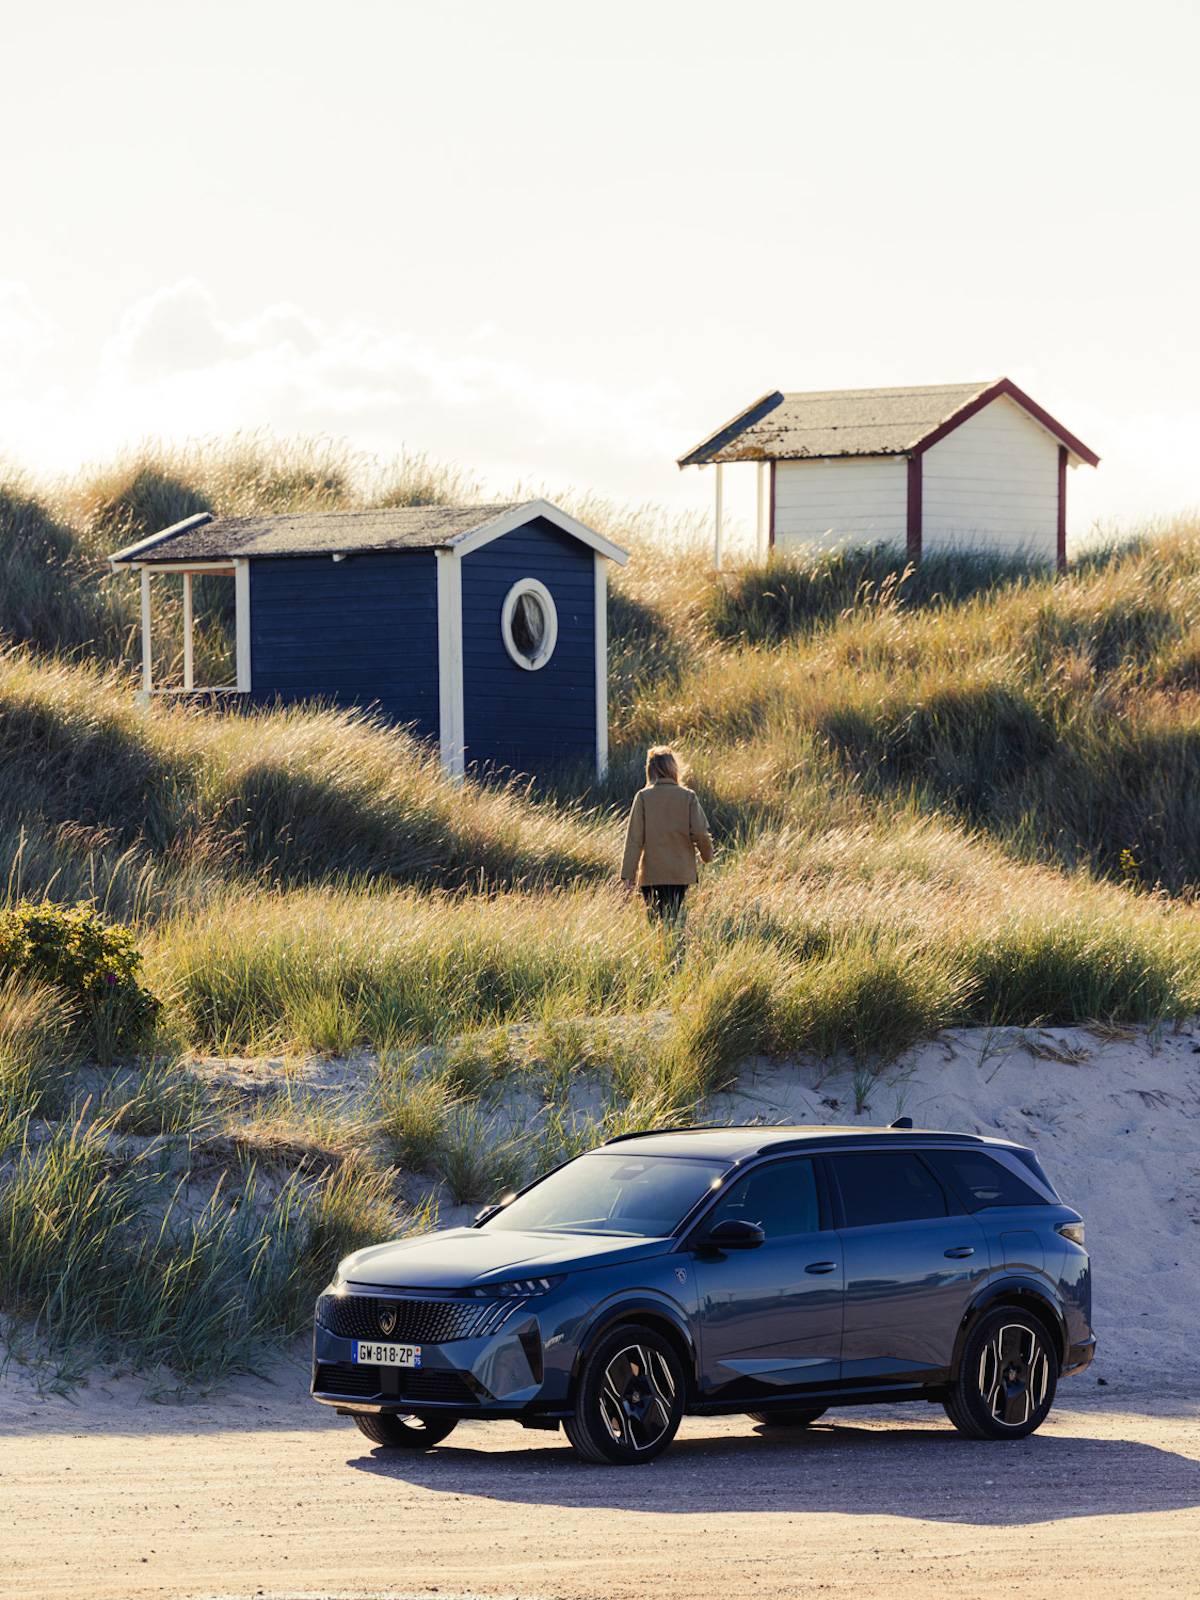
[(965, 465)]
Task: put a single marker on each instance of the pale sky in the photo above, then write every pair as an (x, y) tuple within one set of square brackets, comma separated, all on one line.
[(559, 242)]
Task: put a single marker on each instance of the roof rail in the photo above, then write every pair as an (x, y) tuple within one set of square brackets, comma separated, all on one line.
[(875, 1137), (692, 1127)]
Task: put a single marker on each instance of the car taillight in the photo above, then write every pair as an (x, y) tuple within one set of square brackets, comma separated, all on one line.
[(1072, 1231)]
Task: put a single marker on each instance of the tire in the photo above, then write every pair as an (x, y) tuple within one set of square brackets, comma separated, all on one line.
[(629, 1399), (1006, 1379), (788, 1416), (405, 1431)]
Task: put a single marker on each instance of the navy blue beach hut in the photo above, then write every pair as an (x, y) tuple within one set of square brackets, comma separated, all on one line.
[(485, 627)]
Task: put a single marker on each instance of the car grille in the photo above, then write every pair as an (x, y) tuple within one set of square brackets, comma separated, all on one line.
[(356, 1316), (343, 1378)]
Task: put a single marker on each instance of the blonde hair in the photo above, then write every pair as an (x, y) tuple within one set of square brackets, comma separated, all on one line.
[(661, 764)]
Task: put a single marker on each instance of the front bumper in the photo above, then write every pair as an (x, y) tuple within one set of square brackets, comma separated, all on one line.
[(501, 1375)]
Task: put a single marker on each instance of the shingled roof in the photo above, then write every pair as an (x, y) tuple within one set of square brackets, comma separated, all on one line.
[(309, 533), (861, 422), (206, 538)]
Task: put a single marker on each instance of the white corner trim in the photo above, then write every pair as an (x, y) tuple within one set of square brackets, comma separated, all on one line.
[(451, 736), (147, 636), (526, 512), (600, 628), (189, 653), (241, 609), (549, 611)]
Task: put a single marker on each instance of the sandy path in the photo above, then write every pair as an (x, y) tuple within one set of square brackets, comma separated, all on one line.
[(1105, 1501)]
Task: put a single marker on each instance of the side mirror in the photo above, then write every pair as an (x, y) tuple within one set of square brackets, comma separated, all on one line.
[(734, 1234)]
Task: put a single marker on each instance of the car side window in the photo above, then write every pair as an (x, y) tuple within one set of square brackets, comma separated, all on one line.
[(881, 1186), (780, 1197), (982, 1180)]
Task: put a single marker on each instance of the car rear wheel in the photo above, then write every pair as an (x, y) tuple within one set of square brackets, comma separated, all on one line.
[(629, 1399), (1006, 1378), (403, 1431), (788, 1416)]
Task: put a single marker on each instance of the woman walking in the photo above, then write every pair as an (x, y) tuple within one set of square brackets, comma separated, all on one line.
[(667, 829)]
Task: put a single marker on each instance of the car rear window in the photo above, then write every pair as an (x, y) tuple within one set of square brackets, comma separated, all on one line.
[(981, 1180), (887, 1186)]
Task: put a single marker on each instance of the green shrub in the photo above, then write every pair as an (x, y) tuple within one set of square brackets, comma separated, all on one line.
[(94, 963)]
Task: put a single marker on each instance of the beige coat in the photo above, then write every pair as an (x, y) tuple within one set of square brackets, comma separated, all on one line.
[(666, 828)]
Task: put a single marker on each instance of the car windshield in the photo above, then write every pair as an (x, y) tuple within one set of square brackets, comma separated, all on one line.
[(643, 1197)]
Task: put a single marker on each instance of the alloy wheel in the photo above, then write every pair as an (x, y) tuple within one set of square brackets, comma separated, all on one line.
[(637, 1396), (1014, 1374)]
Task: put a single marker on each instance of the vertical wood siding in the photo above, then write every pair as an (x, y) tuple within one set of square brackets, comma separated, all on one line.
[(993, 483), (856, 500), (529, 719), (359, 632)]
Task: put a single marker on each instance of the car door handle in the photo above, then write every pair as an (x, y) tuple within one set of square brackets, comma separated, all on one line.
[(959, 1251), (821, 1266)]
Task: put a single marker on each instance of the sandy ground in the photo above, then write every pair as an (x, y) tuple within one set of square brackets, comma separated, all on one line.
[(256, 1492), (111, 1500)]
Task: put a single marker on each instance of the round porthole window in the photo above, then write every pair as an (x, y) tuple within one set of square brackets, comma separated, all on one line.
[(529, 624)]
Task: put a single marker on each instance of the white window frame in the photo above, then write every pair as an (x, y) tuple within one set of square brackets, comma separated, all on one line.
[(237, 569), (524, 586)]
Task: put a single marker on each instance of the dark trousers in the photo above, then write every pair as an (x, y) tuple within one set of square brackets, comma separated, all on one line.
[(664, 901)]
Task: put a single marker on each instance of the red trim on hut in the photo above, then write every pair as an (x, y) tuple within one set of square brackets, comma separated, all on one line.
[(914, 507)]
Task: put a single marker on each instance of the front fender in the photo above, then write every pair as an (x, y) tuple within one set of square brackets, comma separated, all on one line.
[(631, 1307), (1018, 1288)]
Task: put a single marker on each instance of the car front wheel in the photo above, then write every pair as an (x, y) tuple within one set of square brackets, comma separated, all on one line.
[(1006, 1378), (629, 1399), (400, 1431)]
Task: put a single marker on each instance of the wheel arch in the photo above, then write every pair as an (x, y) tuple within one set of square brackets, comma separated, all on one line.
[(649, 1313), (1022, 1294)]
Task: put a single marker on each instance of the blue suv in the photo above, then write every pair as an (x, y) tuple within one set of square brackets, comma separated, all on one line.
[(771, 1271)]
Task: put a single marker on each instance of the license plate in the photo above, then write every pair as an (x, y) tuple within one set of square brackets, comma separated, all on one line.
[(386, 1355)]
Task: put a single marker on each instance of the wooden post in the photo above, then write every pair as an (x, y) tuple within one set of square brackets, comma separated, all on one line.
[(719, 517), (147, 640), (189, 676), (241, 611)]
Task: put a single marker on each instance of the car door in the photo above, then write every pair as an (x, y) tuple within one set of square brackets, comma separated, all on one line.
[(911, 1265), (770, 1318)]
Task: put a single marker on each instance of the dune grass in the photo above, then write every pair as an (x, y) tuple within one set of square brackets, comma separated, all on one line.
[(106, 1252), (291, 796)]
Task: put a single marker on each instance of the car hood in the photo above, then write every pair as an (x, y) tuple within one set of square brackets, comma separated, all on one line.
[(459, 1258)]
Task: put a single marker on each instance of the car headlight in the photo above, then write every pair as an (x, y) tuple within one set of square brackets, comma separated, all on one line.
[(519, 1288), (1072, 1231)]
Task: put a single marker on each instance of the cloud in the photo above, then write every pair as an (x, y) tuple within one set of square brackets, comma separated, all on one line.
[(175, 366)]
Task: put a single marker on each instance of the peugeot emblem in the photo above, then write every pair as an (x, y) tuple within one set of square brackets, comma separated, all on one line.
[(387, 1319)]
